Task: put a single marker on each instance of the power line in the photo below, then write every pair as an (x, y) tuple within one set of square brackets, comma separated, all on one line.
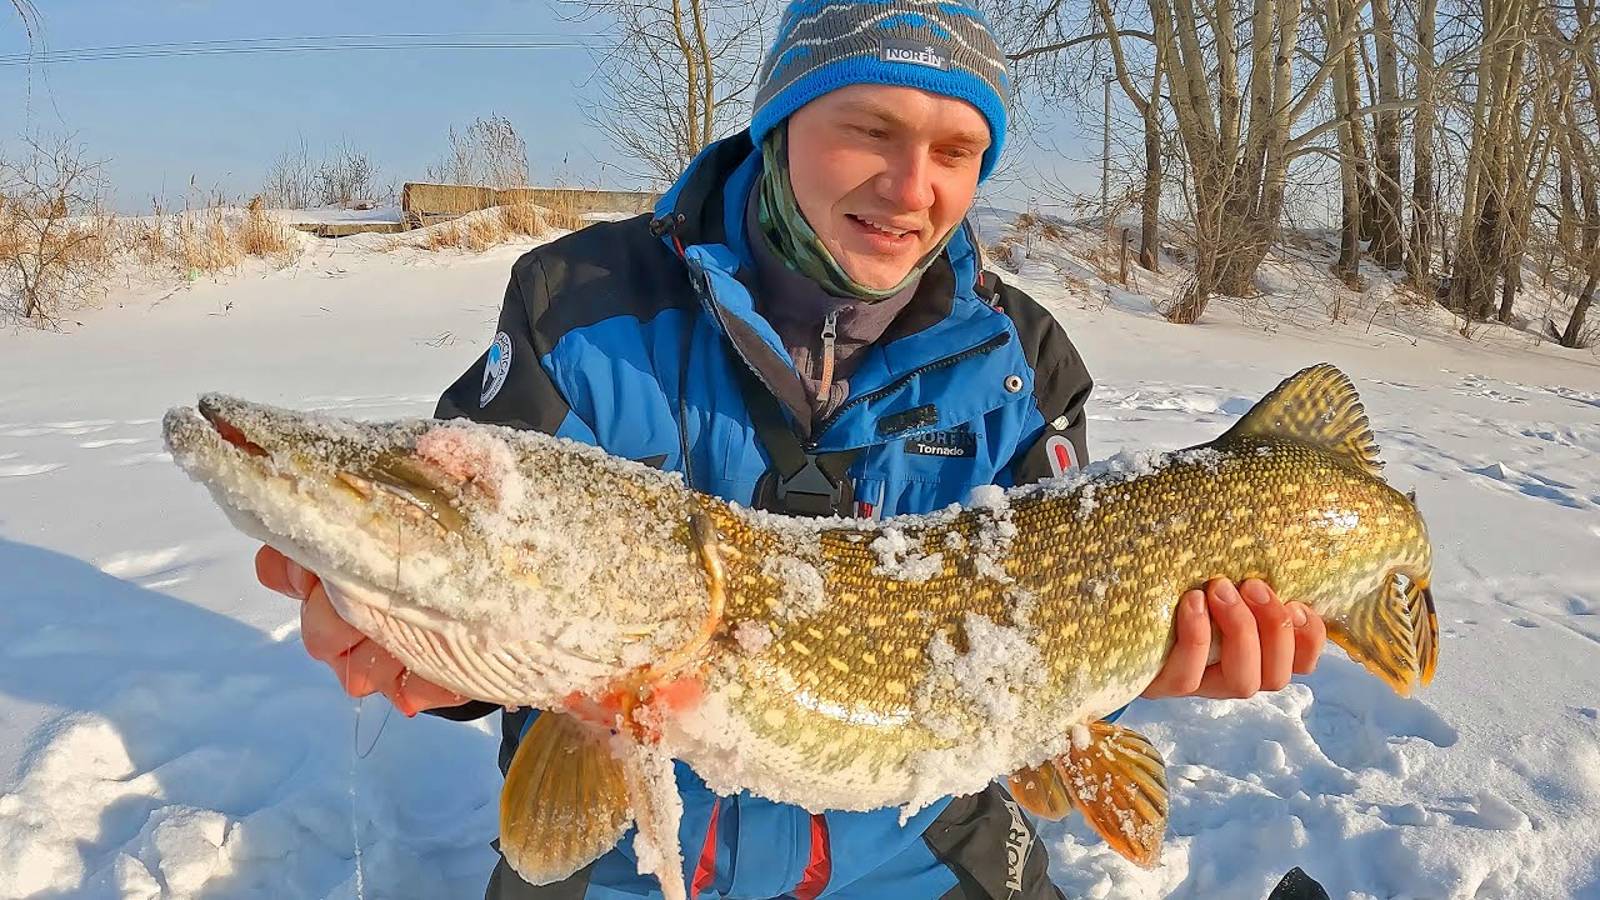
[(310, 44)]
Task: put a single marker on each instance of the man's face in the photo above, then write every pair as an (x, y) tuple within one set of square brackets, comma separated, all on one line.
[(882, 173)]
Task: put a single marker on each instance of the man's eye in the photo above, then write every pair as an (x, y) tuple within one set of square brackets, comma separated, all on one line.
[(876, 134)]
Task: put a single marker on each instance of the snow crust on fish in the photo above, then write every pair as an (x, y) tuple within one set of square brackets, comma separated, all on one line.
[(503, 613)]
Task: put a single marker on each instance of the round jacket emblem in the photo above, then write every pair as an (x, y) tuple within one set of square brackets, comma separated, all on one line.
[(496, 368)]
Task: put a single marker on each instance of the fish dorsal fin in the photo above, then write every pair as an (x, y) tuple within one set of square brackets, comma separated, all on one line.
[(1316, 406)]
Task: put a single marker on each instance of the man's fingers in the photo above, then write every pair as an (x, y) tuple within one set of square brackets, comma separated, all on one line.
[(326, 636), (280, 573), (1309, 636), (273, 572), (1186, 663), (369, 669), (1238, 673), (1272, 628), (419, 694)]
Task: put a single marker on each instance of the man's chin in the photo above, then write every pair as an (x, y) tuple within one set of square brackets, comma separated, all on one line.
[(878, 276)]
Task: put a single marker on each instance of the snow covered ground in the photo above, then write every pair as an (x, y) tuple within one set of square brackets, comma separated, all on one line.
[(162, 733)]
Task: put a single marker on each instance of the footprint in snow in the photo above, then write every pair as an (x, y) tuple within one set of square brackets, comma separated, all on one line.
[(150, 568), (139, 459), (1524, 622), (1357, 721), (1530, 484), (26, 470), (1582, 606)]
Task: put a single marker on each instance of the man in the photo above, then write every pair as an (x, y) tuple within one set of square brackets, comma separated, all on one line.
[(803, 326)]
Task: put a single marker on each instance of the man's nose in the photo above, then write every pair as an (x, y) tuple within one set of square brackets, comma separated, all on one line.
[(908, 181)]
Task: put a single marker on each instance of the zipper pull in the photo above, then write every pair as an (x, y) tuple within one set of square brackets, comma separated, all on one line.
[(830, 333)]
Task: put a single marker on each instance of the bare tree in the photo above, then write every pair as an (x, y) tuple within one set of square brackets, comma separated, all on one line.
[(487, 152), (677, 77), (29, 14), (1424, 212), (347, 177), (1388, 232), (1582, 150), (292, 179), (53, 232)]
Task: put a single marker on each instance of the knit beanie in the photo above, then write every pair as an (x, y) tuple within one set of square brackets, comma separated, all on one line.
[(940, 46)]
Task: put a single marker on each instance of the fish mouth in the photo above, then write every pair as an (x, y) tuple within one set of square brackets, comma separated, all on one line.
[(211, 410)]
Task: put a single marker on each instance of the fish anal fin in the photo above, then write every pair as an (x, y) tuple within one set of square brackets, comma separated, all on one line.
[(565, 800), (1118, 780), (1041, 790), (1394, 633), (1316, 406)]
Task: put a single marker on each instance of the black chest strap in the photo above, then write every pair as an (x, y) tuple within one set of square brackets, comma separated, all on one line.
[(799, 482)]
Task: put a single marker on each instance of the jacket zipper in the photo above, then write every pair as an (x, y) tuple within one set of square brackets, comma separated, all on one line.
[(993, 343), (830, 333)]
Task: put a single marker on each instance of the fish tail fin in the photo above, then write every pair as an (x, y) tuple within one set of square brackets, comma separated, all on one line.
[(1316, 406), (1394, 632), (565, 800)]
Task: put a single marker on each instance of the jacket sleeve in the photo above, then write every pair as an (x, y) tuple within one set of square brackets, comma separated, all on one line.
[(1055, 439), (509, 385)]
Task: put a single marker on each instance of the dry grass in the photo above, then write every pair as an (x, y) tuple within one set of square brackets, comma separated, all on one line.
[(205, 244), (478, 231), (209, 238), (262, 235)]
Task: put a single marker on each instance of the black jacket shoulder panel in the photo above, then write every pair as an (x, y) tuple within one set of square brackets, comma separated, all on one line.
[(596, 273), (1061, 381)]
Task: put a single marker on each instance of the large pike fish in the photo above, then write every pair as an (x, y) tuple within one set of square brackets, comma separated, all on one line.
[(832, 664)]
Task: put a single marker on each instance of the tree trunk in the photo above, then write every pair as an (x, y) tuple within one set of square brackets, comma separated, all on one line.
[(1150, 202), (1573, 335), (1335, 22), (1389, 243), (1423, 211)]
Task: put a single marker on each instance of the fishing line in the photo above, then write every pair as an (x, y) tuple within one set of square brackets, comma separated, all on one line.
[(355, 757)]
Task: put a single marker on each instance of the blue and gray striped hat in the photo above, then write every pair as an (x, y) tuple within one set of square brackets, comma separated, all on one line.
[(940, 46)]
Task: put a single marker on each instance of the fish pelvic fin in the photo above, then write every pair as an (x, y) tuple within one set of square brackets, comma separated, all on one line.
[(565, 800), (1394, 633), (1041, 790), (1115, 777), (1316, 406)]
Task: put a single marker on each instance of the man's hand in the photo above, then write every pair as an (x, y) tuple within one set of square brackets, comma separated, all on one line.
[(362, 666), (1264, 641)]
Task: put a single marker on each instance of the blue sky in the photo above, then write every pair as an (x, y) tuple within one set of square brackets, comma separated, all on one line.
[(220, 120)]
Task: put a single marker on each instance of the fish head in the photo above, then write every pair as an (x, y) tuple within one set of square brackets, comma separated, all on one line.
[(505, 565)]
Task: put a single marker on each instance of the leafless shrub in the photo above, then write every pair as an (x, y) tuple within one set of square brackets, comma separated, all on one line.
[(347, 177), (55, 236), (488, 152), (292, 180)]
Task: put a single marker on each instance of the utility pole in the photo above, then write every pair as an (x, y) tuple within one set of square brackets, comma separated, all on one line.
[(1105, 157)]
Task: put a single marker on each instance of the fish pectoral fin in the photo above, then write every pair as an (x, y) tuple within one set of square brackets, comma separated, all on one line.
[(1118, 780), (565, 800), (1394, 632), (1041, 790), (1318, 406)]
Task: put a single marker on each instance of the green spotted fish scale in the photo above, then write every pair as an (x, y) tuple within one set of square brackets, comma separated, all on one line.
[(1091, 575)]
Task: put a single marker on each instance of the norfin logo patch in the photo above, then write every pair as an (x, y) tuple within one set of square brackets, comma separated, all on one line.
[(914, 53)]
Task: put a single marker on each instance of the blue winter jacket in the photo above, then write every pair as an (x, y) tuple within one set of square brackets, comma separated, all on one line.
[(630, 336)]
